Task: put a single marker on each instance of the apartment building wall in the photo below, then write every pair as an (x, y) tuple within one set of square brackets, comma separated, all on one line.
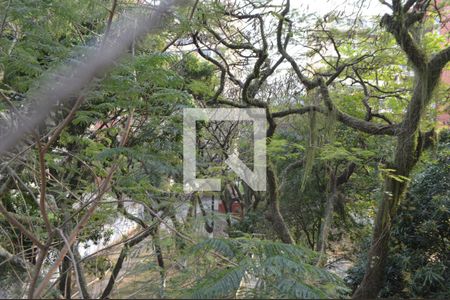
[(443, 116)]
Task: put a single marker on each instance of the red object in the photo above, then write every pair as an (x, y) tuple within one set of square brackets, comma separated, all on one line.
[(236, 209), (221, 207)]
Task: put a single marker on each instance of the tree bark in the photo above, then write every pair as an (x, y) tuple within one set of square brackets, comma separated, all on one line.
[(274, 214), (80, 271), (406, 155), (123, 254), (208, 227), (322, 240), (65, 278), (13, 273), (160, 261), (335, 182)]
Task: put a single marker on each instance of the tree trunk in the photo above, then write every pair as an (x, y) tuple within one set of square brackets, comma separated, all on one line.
[(160, 260), (65, 278), (322, 240), (208, 227), (406, 156), (327, 219), (274, 214), (273, 202), (179, 242), (123, 254), (373, 279), (80, 271)]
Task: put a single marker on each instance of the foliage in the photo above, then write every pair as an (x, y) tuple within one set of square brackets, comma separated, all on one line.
[(419, 257), (128, 133), (267, 269)]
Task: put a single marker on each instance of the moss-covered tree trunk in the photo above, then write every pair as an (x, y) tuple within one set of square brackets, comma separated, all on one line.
[(327, 218), (273, 214), (407, 153)]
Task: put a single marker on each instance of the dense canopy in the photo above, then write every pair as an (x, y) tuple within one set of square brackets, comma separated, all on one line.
[(95, 197)]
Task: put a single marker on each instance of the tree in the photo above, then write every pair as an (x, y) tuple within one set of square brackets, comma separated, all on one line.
[(73, 156), (426, 66), (410, 142), (418, 257), (86, 141)]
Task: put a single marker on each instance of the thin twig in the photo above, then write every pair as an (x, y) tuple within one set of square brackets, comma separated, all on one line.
[(77, 276)]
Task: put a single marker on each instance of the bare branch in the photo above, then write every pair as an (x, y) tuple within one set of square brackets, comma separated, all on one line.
[(217, 64), (13, 221), (408, 5), (55, 134), (43, 187), (110, 19), (309, 84)]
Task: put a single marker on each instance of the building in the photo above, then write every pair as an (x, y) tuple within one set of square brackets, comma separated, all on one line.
[(443, 115)]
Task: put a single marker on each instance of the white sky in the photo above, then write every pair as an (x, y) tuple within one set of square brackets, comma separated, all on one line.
[(370, 7)]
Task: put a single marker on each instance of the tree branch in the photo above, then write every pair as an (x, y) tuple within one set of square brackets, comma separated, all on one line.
[(216, 63), (439, 60), (353, 122), (309, 84), (298, 111), (13, 221), (398, 24)]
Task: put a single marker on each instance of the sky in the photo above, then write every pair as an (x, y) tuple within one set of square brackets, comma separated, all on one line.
[(370, 7)]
